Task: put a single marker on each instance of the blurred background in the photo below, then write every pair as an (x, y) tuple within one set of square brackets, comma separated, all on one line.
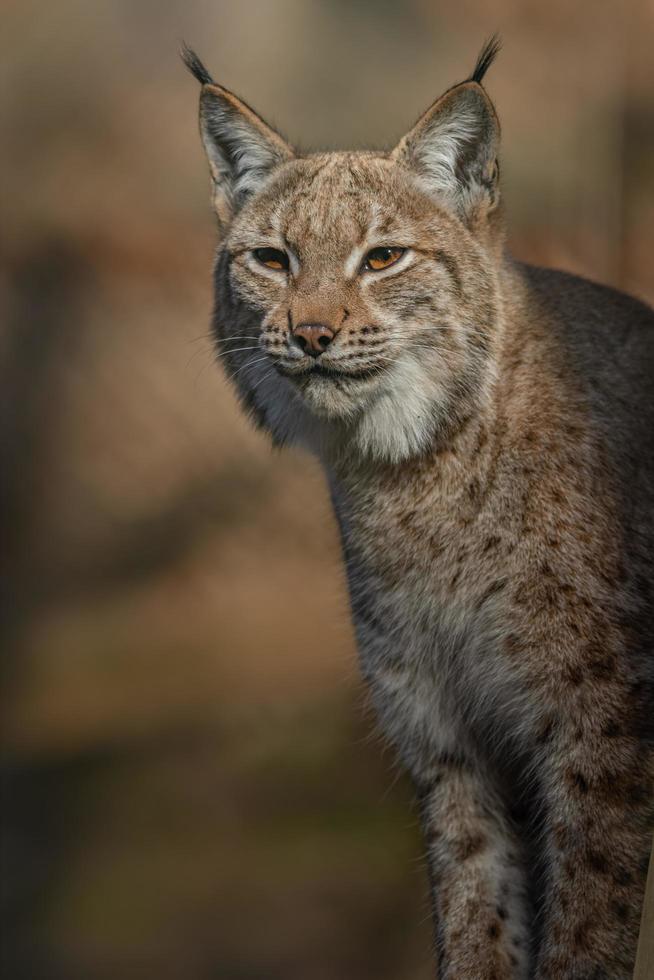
[(193, 785)]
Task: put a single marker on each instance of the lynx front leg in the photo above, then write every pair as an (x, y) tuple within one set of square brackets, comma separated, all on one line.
[(597, 792), (478, 880)]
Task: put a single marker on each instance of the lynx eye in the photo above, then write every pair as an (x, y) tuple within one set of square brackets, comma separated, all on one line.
[(381, 258), (272, 258)]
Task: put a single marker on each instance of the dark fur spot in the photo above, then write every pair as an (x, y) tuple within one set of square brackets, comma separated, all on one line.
[(574, 676), (451, 760), (522, 596), (501, 911), (569, 869), (603, 667), (466, 847), (561, 835), (432, 836), (511, 643), (578, 781), (545, 734), (597, 861), (452, 268), (407, 518), (621, 910), (494, 930), (581, 935), (492, 590), (623, 877), (473, 489)]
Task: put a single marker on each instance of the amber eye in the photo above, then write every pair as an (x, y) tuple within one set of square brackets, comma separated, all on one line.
[(380, 258), (272, 258)]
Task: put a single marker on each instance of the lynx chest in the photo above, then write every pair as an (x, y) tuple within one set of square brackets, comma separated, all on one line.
[(429, 590)]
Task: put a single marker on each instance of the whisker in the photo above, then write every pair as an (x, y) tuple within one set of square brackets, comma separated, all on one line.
[(206, 352), (261, 380), (249, 364), (213, 353), (224, 353), (232, 376), (238, 336), (209, 363)]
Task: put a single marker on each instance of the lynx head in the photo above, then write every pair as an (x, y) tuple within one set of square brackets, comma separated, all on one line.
[(356, 293)]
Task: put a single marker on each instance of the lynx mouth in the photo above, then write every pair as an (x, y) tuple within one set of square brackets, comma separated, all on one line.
[(331, 374), (336, 374)]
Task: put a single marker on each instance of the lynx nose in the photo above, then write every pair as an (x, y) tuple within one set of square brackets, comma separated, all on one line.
[(313, 338)]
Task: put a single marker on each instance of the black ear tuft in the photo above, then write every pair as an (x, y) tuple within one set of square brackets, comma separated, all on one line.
[(194, 65), (486, 58)]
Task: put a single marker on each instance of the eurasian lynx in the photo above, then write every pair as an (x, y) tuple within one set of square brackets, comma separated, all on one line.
[(487, 431)]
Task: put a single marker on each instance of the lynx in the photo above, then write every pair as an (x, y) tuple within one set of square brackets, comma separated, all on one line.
[(487, 433)]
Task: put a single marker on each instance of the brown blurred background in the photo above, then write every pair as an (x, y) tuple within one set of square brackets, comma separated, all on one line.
[(193, 788)]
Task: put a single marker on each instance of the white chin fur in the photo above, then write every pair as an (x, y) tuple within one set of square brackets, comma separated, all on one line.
[(400, 421), (392, 422), (329, 400)]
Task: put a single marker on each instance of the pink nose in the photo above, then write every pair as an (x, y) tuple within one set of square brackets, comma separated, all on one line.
[(313, 338)]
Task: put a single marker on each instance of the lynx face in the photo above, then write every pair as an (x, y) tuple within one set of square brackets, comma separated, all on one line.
[(355, 292)]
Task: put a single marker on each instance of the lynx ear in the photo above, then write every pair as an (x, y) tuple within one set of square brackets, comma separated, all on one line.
[(241, 148), (453, 147)]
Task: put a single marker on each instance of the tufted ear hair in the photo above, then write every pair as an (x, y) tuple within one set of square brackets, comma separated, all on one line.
[(453, 147), (241, 148)]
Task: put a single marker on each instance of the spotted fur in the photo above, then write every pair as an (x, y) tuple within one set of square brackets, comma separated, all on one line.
[(487, 432)]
